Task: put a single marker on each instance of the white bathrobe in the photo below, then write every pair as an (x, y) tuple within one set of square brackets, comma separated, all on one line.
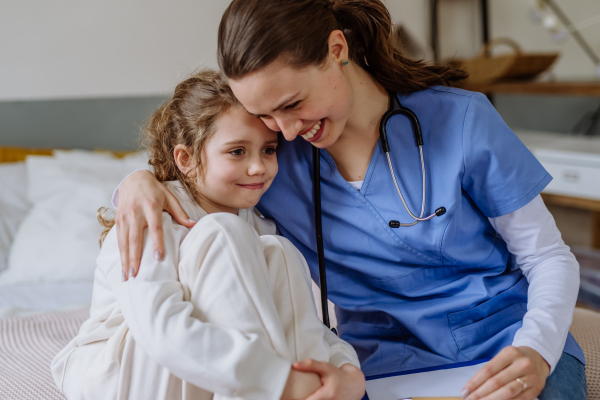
[(226, 311)]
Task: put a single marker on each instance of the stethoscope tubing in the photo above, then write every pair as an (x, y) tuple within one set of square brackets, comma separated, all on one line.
[(394, 109), (319, 234)]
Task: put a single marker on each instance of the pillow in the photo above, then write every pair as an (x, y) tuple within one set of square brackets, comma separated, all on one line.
[(58, 239), (13, 205)]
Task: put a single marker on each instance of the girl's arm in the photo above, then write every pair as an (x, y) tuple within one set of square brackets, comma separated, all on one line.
[(141, 200), (215, 358), (553, 274)]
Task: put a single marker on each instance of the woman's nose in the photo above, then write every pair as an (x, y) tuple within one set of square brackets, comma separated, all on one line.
[(290, 127)]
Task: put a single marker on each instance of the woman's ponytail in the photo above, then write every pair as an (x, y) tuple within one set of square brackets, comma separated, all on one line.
[(253, 33), (368, 28)]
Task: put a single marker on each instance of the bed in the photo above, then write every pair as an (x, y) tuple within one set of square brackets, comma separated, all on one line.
[(44, 297), (43, 302)]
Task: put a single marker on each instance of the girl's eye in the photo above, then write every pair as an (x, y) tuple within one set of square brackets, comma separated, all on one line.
[(269, 150), (291, 106), (237, 152)]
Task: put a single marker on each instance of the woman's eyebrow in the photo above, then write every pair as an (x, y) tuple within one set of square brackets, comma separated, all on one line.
[(285, 101), (281, 104)]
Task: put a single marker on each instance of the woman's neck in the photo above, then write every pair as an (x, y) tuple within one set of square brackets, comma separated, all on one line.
[(352, 151)]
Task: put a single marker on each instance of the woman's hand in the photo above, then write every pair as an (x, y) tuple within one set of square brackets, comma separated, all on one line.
[(141, 202), (344, 383), (515, 373)]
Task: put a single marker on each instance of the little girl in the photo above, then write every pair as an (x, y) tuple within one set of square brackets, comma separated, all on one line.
[(229, 307)]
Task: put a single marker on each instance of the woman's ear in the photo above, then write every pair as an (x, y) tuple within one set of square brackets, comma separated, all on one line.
[(183, 159), (338, 46)]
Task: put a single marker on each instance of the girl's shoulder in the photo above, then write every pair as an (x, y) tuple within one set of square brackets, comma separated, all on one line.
[(189, 205), (264, 226)]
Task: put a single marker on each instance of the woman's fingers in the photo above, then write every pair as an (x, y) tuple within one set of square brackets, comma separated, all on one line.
[(512, 390), (523, 377), (174, 208), (310, 365), (155, 228), (495, 365), (136, 246), (122, 240), (506, 382)]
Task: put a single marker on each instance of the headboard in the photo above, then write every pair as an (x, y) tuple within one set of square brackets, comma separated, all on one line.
[(14, 154)]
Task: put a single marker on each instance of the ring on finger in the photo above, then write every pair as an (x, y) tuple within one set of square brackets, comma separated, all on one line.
[(525, 386)]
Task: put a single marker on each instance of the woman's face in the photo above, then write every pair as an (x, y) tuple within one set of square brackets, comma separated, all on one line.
[(313, 102), (239, 163)]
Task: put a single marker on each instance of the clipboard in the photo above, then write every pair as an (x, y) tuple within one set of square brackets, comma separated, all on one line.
[(439, 381)]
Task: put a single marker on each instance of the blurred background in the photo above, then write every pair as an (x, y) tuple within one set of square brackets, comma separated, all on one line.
[(87, 74)]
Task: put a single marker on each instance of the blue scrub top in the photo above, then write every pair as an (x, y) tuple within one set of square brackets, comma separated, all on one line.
[(442, 291)]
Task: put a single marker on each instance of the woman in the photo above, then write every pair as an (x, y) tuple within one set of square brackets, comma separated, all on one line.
[(489, 278)]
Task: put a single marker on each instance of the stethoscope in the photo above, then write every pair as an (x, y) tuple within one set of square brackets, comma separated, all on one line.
[(395, 108)]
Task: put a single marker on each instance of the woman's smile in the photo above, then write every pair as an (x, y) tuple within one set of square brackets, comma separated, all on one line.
[(314, 133)]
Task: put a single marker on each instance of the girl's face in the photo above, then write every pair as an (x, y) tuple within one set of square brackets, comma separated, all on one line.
[(239, 163), (313, 102)]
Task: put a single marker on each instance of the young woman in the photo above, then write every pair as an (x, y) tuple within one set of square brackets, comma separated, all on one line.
[(225, 311), (490, 278)]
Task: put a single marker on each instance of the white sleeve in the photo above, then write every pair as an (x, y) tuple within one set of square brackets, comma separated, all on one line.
[(340, 351), (553, 275), (217, 359), (115, 197)]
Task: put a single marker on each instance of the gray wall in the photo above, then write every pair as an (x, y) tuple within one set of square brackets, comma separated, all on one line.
[(116, 123), (109, 123)]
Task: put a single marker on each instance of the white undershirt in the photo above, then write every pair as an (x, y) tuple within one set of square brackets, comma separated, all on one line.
[(356, 184), (548, 265)]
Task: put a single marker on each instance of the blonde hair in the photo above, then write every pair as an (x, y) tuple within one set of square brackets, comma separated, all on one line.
[(189, 118)]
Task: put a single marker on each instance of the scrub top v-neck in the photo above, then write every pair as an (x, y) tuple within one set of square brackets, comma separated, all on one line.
[(442, 291)]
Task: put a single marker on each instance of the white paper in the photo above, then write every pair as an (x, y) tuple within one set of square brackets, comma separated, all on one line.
[(439, 383)]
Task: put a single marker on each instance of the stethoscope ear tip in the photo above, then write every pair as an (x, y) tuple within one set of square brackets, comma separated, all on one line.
[(440, 211)]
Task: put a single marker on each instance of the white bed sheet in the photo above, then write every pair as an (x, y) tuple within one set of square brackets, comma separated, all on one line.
[(27, 299)]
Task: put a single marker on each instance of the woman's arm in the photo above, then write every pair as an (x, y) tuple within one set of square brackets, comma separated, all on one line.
[(141, 200), (553, 274)]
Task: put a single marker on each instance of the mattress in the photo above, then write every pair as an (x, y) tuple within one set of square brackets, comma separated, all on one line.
[(27, 346)]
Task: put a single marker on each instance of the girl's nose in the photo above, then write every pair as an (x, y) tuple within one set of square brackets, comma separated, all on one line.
[(257, 166)]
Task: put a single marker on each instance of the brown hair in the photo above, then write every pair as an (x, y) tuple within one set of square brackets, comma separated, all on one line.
[(188, 118), (253, 33)]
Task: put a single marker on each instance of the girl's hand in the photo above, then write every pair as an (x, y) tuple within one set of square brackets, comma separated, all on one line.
[(344, 383), (141, 202), (515, 373)]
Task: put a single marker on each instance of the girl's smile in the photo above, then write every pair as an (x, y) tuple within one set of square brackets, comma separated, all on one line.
[(252, 186)]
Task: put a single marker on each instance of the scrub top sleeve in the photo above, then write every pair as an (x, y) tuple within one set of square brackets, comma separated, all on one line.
[(500, 174)]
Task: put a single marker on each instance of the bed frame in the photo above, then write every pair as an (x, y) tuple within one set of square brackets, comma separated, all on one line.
[(15, 154)]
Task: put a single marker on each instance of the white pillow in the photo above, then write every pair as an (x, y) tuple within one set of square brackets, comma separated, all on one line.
[(13, 205), (58, 240)]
